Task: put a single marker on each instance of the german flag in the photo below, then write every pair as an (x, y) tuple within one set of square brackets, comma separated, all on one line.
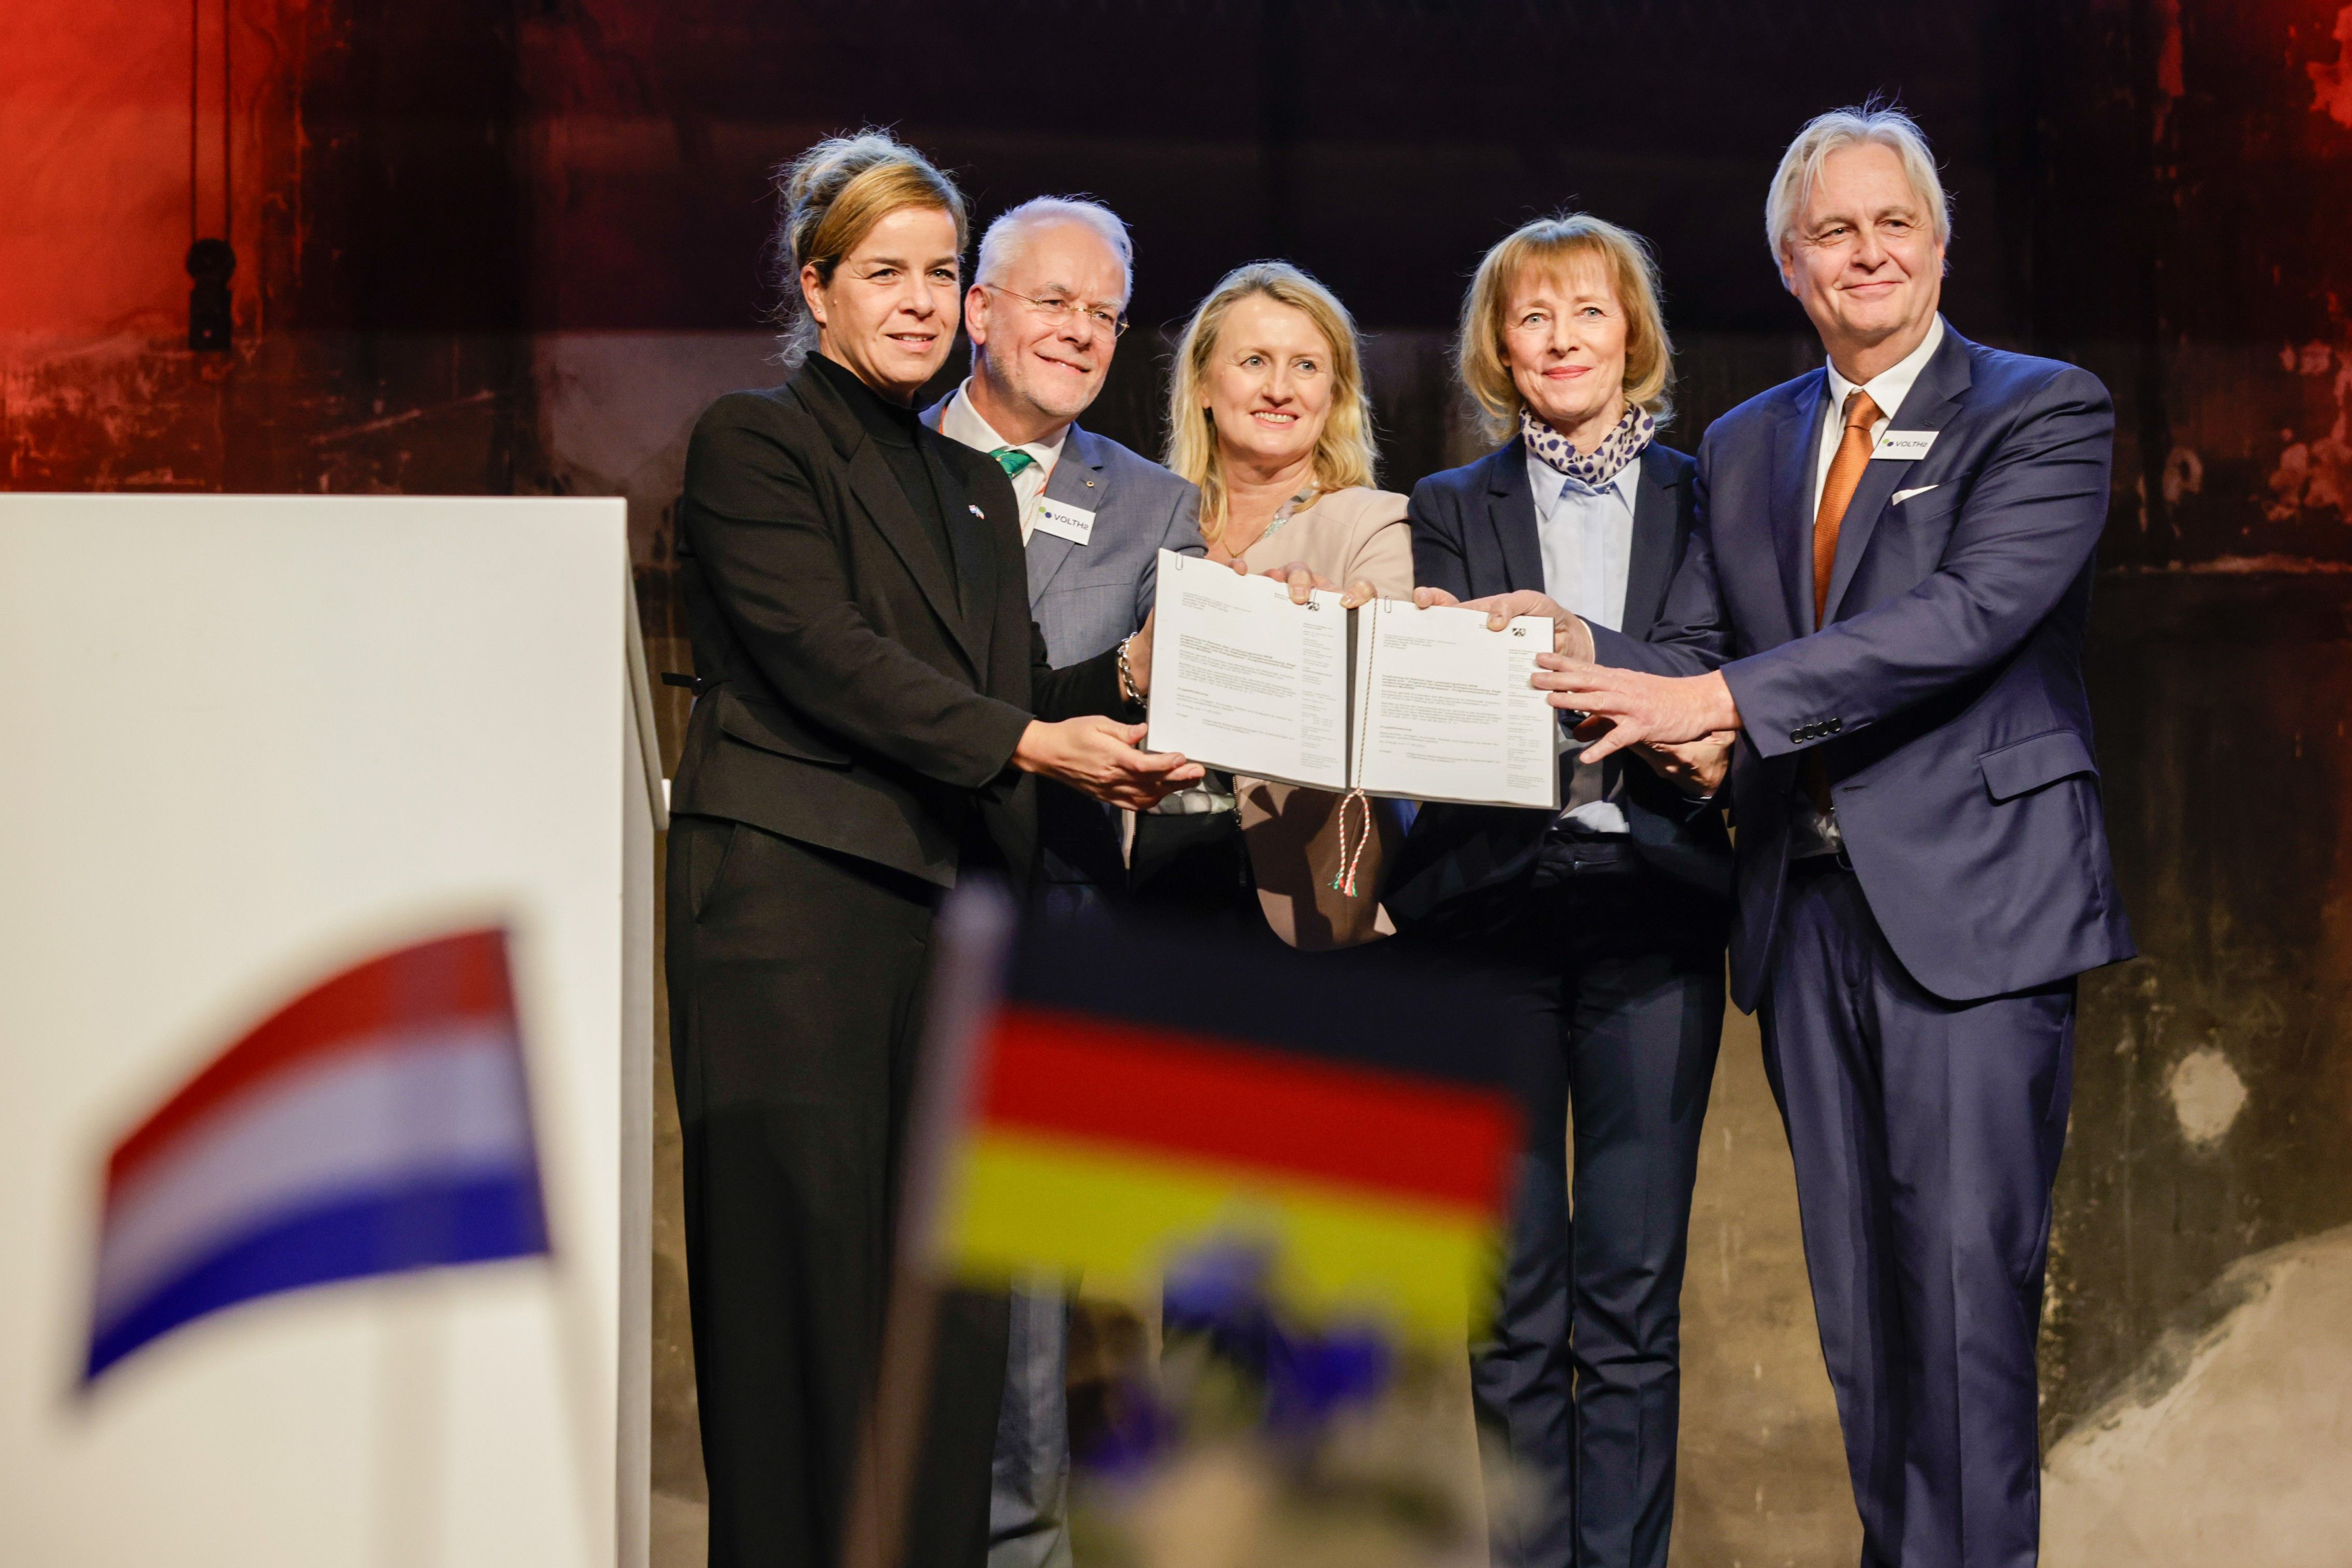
[(1131, 1093)]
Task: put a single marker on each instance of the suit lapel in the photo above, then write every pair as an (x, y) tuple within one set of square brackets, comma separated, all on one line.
[(1511, 513), (1654, 538), (1933, 400), (1796, 450), (967, 536), (1076, 480), (876, 491)]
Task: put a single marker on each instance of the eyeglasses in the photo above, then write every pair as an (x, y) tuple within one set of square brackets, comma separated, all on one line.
[(1059, 311)]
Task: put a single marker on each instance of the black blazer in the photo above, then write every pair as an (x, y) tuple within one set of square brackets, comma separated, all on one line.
[(1475, 533), (849, 700)]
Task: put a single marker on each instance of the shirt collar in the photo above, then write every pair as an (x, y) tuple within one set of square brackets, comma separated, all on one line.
[(960, 421), (1890, 386), (1550, 483)]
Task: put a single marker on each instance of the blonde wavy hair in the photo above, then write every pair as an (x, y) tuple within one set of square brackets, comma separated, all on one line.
[(832, 197), (1553, 245), (1345, 455)]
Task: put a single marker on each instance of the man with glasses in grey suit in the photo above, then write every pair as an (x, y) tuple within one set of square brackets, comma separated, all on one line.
[(1044, 315)]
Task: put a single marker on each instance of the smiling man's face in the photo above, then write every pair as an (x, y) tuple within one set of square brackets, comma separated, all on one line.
[(1864, 260), (1042, 373)]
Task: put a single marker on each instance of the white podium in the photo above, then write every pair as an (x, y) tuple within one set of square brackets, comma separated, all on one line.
[(245, 744)]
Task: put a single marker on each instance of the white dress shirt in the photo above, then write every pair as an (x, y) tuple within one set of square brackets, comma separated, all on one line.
[(1588, 552), (1815, 832), (962, 422), (1887, 389)]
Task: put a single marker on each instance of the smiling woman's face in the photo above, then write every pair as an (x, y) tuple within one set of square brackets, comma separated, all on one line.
[(890, 312), (1564, 340), (1268, 388)]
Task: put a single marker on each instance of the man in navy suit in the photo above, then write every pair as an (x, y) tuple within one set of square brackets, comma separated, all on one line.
[(1885, 598)]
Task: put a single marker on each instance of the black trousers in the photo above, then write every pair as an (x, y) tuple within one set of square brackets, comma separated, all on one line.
[(1926, 1135), (1612, 981), (796, 980)]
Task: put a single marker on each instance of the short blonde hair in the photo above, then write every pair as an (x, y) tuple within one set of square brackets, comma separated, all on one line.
[(1346, 455), (1552, 245), (832, 195), (1873, 122)]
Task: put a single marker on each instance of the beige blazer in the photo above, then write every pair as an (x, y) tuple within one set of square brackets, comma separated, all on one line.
[(1358, 534)]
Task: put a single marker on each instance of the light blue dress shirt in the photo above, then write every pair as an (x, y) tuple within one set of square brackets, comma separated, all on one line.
[(1587, 535), (1588, 540)]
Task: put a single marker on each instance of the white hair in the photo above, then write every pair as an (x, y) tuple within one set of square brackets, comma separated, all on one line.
[(1800, 166), (1003, 241)]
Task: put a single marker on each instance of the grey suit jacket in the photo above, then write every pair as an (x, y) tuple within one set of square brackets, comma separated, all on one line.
[(1088, 598)]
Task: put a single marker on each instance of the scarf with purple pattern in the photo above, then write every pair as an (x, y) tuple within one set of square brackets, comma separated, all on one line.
[(1601, 465)]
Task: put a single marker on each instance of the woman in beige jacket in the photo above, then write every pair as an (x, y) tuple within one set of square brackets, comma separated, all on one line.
[(1269, 416)]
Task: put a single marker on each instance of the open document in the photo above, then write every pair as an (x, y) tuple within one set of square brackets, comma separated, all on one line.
[(1423, 704), (1243, 680)]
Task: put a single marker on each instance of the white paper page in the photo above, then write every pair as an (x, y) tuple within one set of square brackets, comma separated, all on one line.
[(1446, 710), (1243, 680)]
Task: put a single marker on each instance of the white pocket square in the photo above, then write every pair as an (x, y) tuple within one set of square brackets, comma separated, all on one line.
[(1902, 496)]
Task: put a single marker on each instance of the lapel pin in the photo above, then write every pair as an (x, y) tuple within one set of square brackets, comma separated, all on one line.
[(1091, 484), (976, 513)]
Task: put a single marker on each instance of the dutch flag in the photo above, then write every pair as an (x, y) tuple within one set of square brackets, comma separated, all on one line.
[(376, 1124)]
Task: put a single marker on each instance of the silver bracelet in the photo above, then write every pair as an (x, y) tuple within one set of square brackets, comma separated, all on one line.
[(1126, 676)]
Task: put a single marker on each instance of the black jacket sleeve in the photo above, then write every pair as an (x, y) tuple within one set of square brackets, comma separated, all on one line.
[(1088, 687)]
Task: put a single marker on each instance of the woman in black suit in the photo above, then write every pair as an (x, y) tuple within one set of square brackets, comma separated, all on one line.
[(870, 692)]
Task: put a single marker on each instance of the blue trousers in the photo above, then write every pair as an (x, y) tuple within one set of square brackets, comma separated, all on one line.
[(1617, 1000), (1925, 1135)]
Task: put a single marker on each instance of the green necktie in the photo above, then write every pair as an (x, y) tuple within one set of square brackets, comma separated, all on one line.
[(1012, 459)]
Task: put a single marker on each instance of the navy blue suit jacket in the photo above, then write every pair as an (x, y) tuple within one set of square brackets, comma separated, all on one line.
[(1474, 534), (1944, 694)]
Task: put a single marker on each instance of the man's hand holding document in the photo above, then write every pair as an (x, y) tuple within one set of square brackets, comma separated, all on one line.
[(1424, 704)]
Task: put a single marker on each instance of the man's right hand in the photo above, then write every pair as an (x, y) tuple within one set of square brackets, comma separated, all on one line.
[(1098, 757), (1570, 636), (1697, 768)]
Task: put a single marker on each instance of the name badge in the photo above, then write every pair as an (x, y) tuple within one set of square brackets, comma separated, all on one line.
[(1062, 520), (1902, 446)]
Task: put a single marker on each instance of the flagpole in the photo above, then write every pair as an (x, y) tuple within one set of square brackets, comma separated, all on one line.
[(412, 1426)]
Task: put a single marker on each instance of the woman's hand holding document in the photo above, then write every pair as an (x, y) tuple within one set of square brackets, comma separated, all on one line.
[(1426, 704)]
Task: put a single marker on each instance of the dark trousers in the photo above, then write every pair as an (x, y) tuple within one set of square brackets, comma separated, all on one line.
[(1615, 988), (796, 982), (1926, 1136)]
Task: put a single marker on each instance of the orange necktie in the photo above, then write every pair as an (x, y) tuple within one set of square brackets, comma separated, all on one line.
[(1846, 474)]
